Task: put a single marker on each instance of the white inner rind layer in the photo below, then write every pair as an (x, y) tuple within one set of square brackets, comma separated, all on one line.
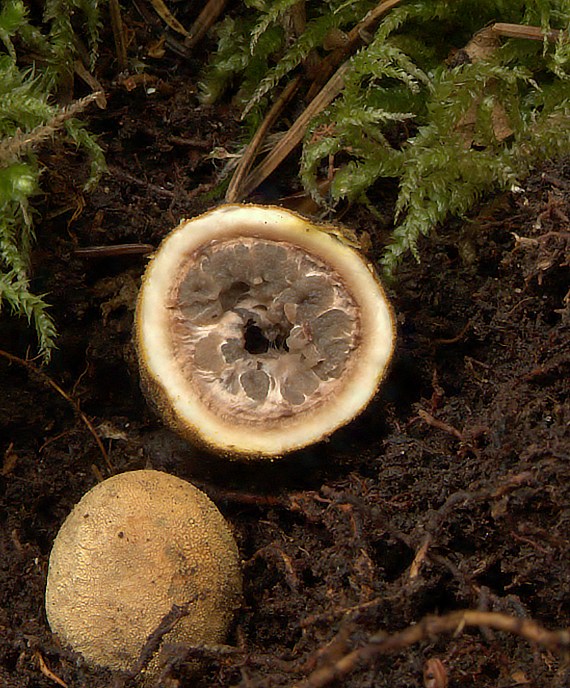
[(245, 433)]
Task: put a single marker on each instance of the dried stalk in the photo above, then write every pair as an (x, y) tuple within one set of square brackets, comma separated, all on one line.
[(319, 96), (166, 15), (235, 191), (118, 34), (354, 41), (48, 381), (429, 628), (533, 33), (295, 134), (204, 21)]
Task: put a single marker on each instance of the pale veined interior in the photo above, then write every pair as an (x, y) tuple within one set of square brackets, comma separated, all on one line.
[(216, 426)]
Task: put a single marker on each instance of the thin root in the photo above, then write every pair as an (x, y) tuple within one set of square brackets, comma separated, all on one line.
[(48, 381), (429, 628)]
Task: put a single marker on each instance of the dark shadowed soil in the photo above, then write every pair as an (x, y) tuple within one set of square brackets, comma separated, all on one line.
[(452, 491)]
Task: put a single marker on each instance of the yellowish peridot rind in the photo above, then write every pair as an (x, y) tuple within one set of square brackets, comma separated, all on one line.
[(133, 548)]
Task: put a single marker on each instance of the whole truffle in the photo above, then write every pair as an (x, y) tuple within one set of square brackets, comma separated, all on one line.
[(134, 546)]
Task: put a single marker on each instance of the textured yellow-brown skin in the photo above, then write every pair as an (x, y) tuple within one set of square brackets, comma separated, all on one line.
[(134, 546)]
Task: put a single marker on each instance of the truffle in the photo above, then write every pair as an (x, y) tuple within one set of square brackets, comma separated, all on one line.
[(259, 332), (134, 546)]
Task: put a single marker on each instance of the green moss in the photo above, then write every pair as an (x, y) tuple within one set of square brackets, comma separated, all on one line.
[(29, 116), (447, 131)]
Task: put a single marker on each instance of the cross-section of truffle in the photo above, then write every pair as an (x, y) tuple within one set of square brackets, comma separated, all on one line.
[(259, 333)]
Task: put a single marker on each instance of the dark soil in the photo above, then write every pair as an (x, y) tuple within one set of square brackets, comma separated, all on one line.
[(451, 491)]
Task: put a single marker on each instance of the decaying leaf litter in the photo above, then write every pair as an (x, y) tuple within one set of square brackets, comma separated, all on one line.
[(450, 492)]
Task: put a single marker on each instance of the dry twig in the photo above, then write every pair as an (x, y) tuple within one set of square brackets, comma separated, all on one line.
[(295, 134), (533, 33), (210, 12), (440, 425), (118, 34), (48, 381), (46, 671), (354, 41), (166, 15), (320, 97), (235, 192), (153, 641), (459, 499), (433, 626), (274, 553), (114, 250)]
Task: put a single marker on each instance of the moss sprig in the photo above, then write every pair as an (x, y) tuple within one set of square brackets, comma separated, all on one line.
[(422, 106), (30, 117)]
